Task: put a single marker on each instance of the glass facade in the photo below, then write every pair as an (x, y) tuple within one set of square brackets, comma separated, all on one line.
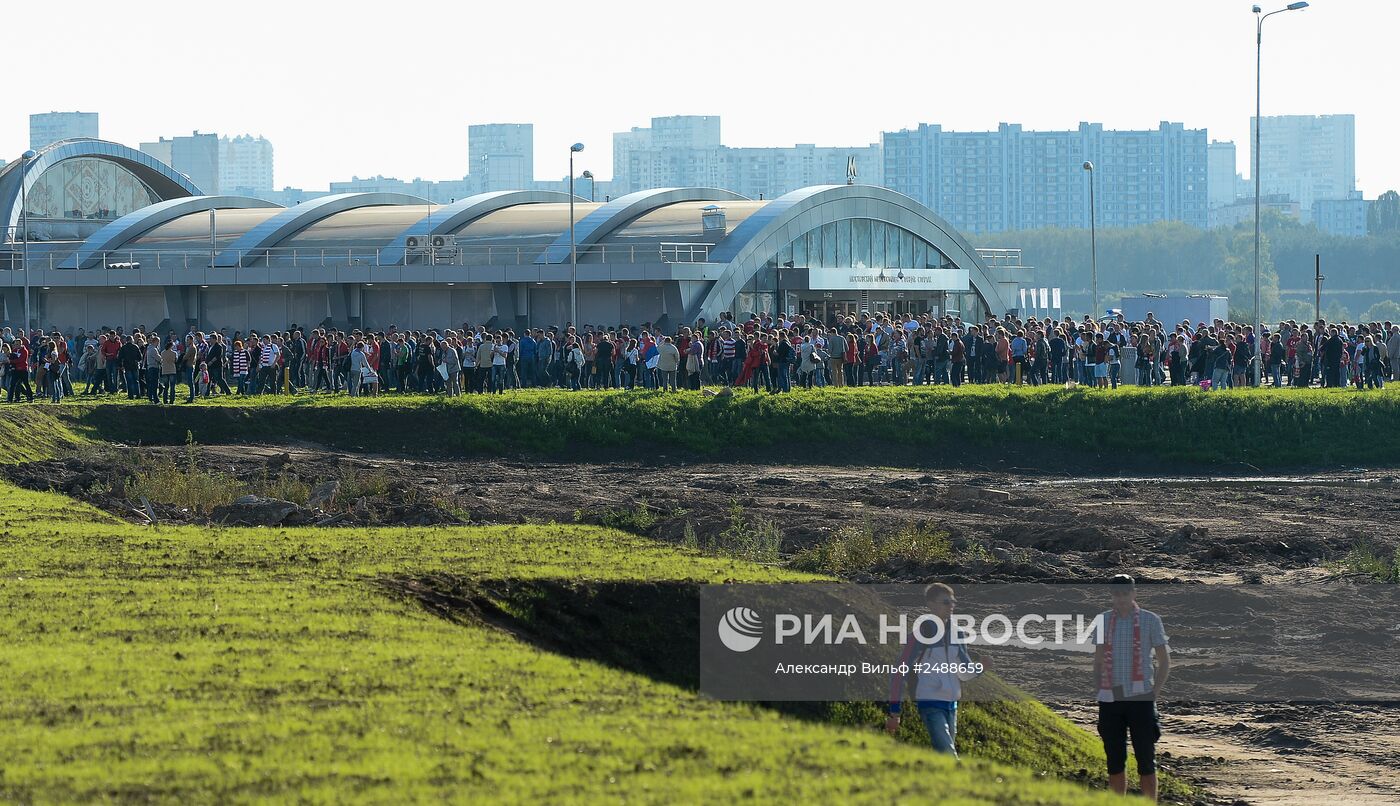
[(848, 243), (861, 243), (88, 188)]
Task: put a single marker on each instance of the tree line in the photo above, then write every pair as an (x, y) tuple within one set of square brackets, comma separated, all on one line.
[(1175, 258)]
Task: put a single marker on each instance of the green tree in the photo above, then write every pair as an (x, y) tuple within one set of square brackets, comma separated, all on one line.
[(1384, 215), (1239, 277), (1383, 311), (1336, 312), (1296, 309)]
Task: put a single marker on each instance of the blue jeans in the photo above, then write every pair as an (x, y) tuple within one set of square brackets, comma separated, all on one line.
[(942, 725), (781, 384)]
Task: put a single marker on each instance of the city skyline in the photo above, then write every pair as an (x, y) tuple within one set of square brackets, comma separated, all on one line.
[(1310, 58)]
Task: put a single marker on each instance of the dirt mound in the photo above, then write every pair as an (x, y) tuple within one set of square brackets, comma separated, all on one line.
[(1320, 689), (1005, 527), (1061, 537)]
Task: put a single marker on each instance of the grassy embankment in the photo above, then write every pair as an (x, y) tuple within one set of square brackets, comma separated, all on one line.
[(1264, 429), (197, 665)]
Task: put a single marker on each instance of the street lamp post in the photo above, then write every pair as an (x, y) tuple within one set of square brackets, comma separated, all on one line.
[(573, 249), (1093, 245), (24, 228), (1258, 126), (592, 184)]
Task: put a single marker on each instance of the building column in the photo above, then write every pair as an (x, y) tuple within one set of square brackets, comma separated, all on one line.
[(13, 299), (181, 309), (672, 307), (345, 302), (509, 306)]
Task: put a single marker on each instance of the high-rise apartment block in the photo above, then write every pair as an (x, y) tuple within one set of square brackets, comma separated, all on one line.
[(1013, 179), (50, 127), (1306, 157)]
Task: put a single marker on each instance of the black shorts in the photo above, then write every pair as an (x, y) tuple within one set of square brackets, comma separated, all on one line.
[(1116, 721)]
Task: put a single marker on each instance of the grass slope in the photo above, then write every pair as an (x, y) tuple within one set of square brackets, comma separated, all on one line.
[(1262, 428), (191, 665)]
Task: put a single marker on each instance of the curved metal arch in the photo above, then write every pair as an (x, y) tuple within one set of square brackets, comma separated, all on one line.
[(762, 234), (255, 243), (166, 182), (135, 224), (627, 208), (458, 214)]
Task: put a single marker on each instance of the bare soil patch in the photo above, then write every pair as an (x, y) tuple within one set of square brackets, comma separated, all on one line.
[(1004, 527)]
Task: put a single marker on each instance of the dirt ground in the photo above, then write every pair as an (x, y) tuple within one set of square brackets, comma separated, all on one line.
[(1033, 528), (1015, 527)]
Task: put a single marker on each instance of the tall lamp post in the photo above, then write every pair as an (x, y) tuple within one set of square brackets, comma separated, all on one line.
[(24, 228), (573, 248), (1258, 126), (1093, 244), (592, 184)]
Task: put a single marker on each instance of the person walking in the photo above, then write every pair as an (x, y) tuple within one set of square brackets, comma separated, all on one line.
[(836, 349), (357, 369), (129, 360), (1276, 359), (668, 358), (937, 672), (217, 358), (574, 362), (1131, 664), (19, 372), (1332, 348), (169, 360), (1371, 354), (603, 362), (1392, 349)]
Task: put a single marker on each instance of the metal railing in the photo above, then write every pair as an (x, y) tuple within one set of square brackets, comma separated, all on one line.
[(1000, 258), (337, 258), (685, 252)]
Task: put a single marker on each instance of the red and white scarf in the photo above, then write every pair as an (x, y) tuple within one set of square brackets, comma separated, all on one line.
[(1138, 684)]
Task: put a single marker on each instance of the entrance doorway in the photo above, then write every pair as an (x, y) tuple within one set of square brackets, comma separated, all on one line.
[(827, 311)]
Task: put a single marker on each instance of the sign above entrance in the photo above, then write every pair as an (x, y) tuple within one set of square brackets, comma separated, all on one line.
[(888, 279)]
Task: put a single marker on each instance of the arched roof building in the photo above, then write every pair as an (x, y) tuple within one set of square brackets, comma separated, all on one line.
[(116, 237)]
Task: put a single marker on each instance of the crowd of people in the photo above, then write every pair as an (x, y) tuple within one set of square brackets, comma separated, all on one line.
[(764, 353)]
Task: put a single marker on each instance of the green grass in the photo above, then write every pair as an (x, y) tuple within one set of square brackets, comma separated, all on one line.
[(196, 665), (30, 433), (1370, 560), (1260, 428), (857, 548), (748, 537)]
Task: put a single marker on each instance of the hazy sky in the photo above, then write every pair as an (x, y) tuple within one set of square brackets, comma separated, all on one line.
[(389, 87)]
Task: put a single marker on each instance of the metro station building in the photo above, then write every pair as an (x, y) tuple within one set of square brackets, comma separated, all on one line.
[(114, 237)]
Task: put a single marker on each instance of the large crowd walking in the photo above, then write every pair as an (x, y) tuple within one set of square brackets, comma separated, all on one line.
[(764, 353)]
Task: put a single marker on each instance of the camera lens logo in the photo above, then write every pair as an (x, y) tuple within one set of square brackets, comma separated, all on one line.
[(740, 629)]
